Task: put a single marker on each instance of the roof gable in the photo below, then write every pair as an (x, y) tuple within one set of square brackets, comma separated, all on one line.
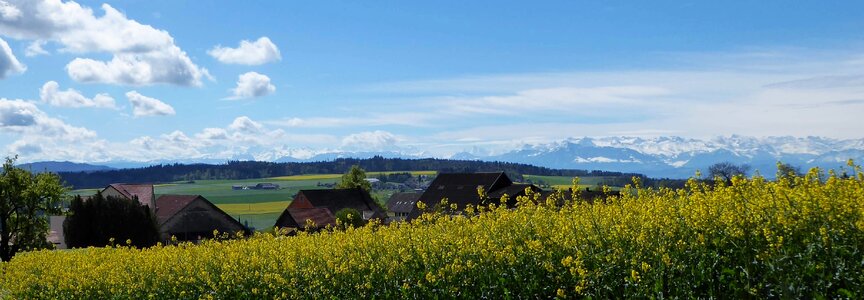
[(296, 217), (169, 205), (144, 192)]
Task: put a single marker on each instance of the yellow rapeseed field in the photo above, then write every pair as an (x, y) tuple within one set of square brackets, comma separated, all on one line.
[(797, 237)]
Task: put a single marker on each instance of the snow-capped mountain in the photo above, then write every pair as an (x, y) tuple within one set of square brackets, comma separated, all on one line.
[(678, 157)]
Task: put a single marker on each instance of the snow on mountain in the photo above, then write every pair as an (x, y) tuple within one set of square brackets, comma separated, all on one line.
[(679, 157)]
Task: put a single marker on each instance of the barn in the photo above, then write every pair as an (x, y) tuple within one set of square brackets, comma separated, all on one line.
[(331, 200), (461, 189), (192, 217)]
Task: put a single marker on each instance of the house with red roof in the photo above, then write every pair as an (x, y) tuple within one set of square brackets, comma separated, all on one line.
[(142, 192), (318, 207)]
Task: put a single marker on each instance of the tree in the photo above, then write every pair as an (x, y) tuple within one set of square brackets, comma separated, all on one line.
[(787, 171), (26, 201), (354, 178), (727, 170), (98, 220), (349, 217)]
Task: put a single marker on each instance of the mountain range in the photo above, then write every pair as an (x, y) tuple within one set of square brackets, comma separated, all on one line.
[(676, 157), (659, 157)]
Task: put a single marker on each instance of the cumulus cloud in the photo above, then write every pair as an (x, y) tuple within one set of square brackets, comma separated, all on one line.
[(259, 52), (251, 85), (142, 55), (9, 64), (143, 106), (370, 141), (212, 134), (17, 114), (50, 93), (245, 124), (166, 66)]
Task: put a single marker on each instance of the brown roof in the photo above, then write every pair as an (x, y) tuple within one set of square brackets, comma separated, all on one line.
[(296, 217), (338, 199), (144, 192), (169, 205)]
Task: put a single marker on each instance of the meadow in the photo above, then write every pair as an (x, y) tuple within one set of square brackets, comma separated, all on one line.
[(564, 182), (798, 237)]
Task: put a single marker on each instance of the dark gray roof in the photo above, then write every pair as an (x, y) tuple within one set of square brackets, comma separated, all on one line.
[(338, 199), (512, 191), (461, 189), (403, 202)]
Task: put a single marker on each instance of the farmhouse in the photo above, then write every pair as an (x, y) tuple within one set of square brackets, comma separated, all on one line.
[(332, 201), (461, 189), (142, 192), (192, 217), (401, 204)]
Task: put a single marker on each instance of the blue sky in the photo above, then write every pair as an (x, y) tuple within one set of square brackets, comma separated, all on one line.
[(157, 80)]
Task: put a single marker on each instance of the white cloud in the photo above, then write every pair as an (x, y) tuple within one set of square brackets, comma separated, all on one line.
[(9, 64), (50, 93), (251, 85), (167, 66), (259, 52), (581, 100), (143, 55), (412, 119), (143, 106), (212, 134), (370, 141), (40, 135), (35, 48), (15, 114), (8, 11), (245, 124)]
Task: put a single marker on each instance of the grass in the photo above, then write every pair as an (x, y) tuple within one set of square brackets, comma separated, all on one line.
[(566, 182), (255, 208), (338, 176)]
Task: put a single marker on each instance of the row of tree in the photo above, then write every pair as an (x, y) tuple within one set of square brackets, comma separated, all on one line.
[(255, 169)]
